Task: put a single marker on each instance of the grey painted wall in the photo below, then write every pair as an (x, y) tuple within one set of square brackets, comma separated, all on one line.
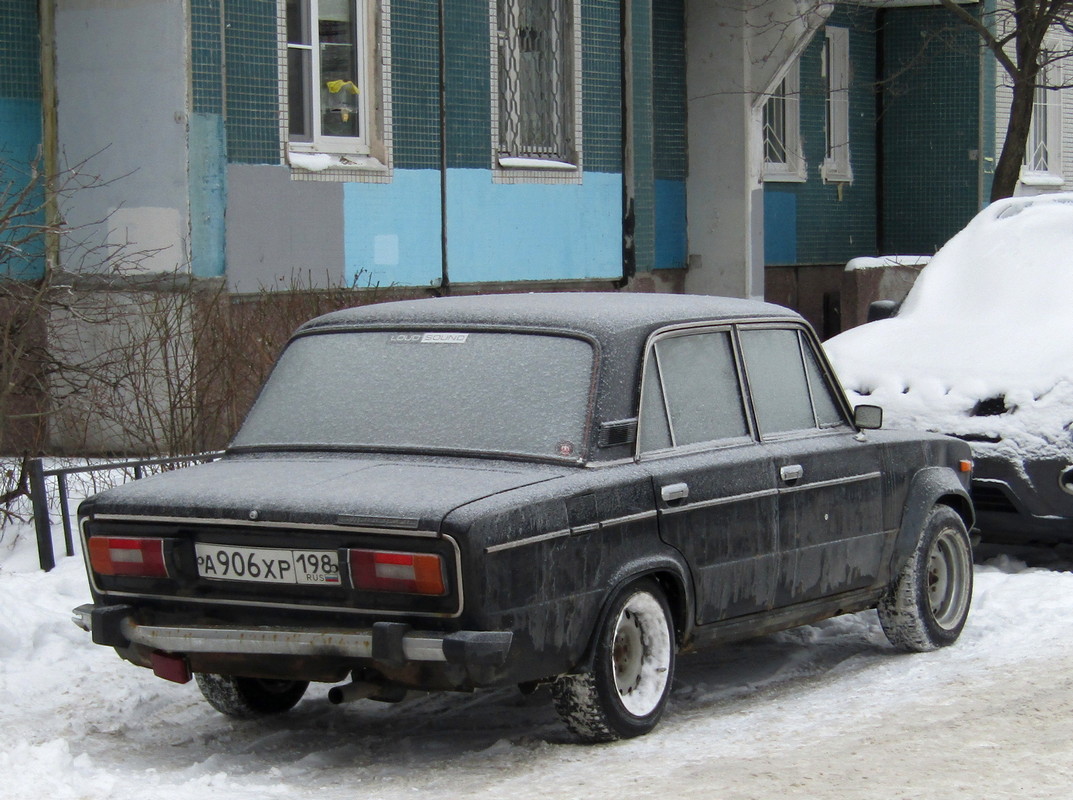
[(122, 104), (274, 224)]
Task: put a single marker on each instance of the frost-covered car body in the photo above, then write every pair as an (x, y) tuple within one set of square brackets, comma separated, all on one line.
[(468, 489), (982, 349)]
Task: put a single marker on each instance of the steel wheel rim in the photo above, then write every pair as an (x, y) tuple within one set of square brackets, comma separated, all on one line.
[(640, 654), (947, 579)]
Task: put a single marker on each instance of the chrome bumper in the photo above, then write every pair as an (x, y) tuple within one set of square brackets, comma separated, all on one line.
[(389, 642)]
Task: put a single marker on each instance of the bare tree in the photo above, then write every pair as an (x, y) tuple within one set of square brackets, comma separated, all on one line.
[(37, 298), (1019, 34), (178, 366)]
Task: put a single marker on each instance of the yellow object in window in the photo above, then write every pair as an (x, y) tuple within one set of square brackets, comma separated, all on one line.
[(337, 86)]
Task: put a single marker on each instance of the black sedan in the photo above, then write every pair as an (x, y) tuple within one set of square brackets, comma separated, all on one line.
[(568, 489)]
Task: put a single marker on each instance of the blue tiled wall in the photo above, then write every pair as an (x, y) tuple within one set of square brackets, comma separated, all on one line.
[(20, 121), (931, 129), (834, 221), (669, 139), (925, 183)]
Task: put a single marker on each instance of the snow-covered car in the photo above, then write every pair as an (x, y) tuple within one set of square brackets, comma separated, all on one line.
[(982, 349), (560, 489)]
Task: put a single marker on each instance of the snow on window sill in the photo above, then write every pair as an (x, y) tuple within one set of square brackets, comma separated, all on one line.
[(511, 162), (319, 162), (1031, 178), (883, 262)]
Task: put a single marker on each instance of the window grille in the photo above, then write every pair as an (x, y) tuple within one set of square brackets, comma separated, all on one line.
[(775, 126), (1042, 150), (1037, 158), (535, 79), (783, 159)]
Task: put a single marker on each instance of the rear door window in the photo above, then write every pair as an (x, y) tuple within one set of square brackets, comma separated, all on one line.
[(691, 392)]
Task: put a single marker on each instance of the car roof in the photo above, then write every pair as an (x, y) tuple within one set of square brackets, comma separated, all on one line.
[(598, 314)]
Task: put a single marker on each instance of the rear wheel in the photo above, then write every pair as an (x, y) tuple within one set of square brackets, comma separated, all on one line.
[(249, 697), (625, 693), (927, 606)]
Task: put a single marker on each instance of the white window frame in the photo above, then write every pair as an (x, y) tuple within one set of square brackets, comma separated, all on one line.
[(322, 153), (785, 102), (1047, 132), (517, 167), (835, 70)]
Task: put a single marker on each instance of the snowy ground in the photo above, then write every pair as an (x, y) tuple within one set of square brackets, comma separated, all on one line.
[(827, 711)]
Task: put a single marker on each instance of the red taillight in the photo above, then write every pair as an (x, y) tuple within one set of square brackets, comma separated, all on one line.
[(143, 558), (387, 571)]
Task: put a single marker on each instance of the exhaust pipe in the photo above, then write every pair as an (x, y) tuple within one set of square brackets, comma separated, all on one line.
[(348, 693)]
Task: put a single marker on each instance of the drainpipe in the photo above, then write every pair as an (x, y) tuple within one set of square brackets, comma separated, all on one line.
[(629, 251), (881, 68), (49, 136), (445, 279)]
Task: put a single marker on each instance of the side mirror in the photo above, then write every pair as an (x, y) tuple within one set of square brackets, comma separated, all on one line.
[(868, 418), (882, 309)]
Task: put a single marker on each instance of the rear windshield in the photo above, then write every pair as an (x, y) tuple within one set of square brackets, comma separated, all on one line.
[(509, 393)]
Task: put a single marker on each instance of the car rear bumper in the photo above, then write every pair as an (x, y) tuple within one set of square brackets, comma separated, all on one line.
[(390, 643)]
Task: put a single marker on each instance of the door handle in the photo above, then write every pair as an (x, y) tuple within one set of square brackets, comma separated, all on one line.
[(791, 472), (674, 491)]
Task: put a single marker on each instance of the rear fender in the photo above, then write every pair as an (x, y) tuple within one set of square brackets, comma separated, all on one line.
[(672, 576), (930, 486)]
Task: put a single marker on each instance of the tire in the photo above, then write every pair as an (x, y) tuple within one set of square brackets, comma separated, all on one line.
[(927, 605), (625, 693), (249, 697)]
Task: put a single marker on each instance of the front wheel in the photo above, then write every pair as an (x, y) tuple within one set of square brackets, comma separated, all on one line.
[(927, 605), (625, 693), (249, 697)]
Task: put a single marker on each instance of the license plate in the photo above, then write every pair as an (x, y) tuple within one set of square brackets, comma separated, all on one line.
[(267, 564)]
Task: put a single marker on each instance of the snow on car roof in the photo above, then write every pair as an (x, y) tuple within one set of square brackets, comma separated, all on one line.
[(987, 320), (596, 313)]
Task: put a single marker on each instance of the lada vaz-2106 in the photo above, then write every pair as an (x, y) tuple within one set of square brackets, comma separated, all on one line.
[(566, 489)]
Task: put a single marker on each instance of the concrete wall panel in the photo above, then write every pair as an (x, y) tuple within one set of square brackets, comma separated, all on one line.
[(122, 85)]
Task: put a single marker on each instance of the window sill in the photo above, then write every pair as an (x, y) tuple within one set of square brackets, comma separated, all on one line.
[(836, 175), (1030, 178), (784, 176), (319, 162), (510, 162)]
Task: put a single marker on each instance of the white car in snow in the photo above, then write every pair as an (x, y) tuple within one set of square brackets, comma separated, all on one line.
[(982, 349)]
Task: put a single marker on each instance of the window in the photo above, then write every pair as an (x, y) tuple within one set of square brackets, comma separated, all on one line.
[(828, 412), (835, 68), (1042, 154), (330, 94), (783, 159), (500, 396), (787, 385), (535, 84), (691, 392)]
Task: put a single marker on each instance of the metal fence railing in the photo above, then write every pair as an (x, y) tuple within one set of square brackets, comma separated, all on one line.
[(39, 477)]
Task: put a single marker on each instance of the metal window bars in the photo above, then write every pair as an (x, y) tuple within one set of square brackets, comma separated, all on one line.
[(535, 69), (775, 126)]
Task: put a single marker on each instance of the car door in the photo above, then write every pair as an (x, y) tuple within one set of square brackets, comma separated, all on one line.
[(714, 487), (830, 487)]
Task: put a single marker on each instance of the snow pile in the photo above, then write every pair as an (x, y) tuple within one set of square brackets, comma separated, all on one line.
[(983, 345)]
